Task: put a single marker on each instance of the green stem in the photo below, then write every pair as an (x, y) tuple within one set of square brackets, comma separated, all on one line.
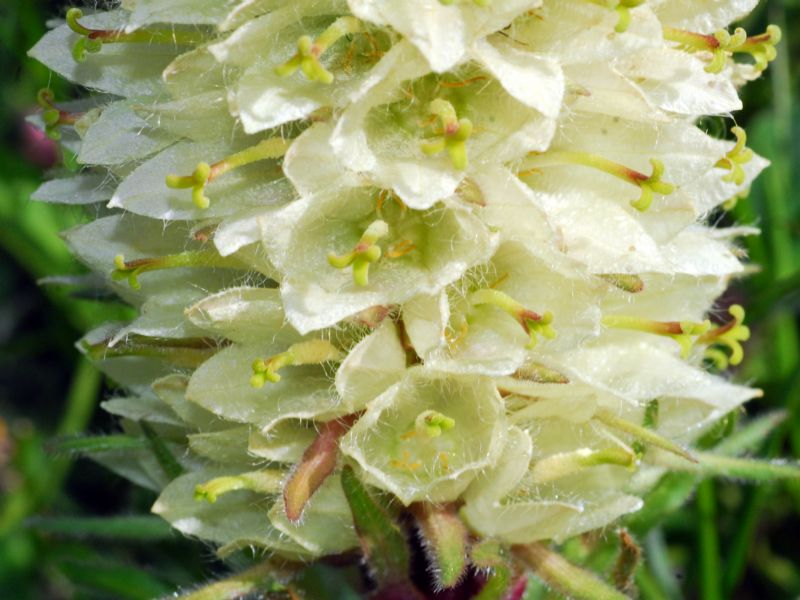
[(748, 517), (555, 571), (81, 399), (708, 543)]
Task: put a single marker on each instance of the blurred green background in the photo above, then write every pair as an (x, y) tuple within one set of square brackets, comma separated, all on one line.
[(730, 541)]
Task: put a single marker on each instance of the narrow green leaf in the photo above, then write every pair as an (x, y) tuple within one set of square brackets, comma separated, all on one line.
[(124, 583), (88, 445), (260, 578), (168, 463), (82, 398), (382, 541), (648, 587), (135, 528), (444, 538), (713, 465), (710, 571), (671, 492), (555, 571), (659, 565), (752, 435)]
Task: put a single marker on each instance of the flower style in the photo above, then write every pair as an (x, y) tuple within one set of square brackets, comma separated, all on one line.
[(450, 254)]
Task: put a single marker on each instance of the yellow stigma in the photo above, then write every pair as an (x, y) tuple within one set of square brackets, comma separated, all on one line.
[(432, 423), (623, 10), (204, 173), (648, 184), (131, 269), (365, 252), (52, 116), (265, 482), (683, 332), (731, 335), (739, 155), (453, 136), (533, 323), (312, 352), (722, 45), (92, 40), (309, 51)]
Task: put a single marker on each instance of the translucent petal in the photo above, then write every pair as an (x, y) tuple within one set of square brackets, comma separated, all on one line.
[(703, 16), (222, 386), (185, 12), (116, 69), (145, 192), (236, 516), (244, 314), (447, 242), (416, 467), (120, 136), (442, 33), (375, 363), (84, 188), (327, 523)]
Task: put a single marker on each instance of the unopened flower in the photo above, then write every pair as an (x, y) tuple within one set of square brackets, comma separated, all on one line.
[(455, 251)]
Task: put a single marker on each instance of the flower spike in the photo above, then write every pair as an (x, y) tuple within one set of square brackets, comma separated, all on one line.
[(533, 323), (365, 253), (204, 173), (723, 44), (313, 352), (739, 155), (453, 136), (53, 117), (92, 40), (309, 51)]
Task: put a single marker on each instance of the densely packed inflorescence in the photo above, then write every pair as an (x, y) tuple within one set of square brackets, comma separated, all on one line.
[(457, 251)]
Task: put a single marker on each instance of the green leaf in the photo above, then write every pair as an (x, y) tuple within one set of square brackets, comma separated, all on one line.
[(752, 435), (671, 492), (748, 469), (444, 538), (169, 464), (382, 541), (133, 528), (88, 445), (709, 563), (123, 583)]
